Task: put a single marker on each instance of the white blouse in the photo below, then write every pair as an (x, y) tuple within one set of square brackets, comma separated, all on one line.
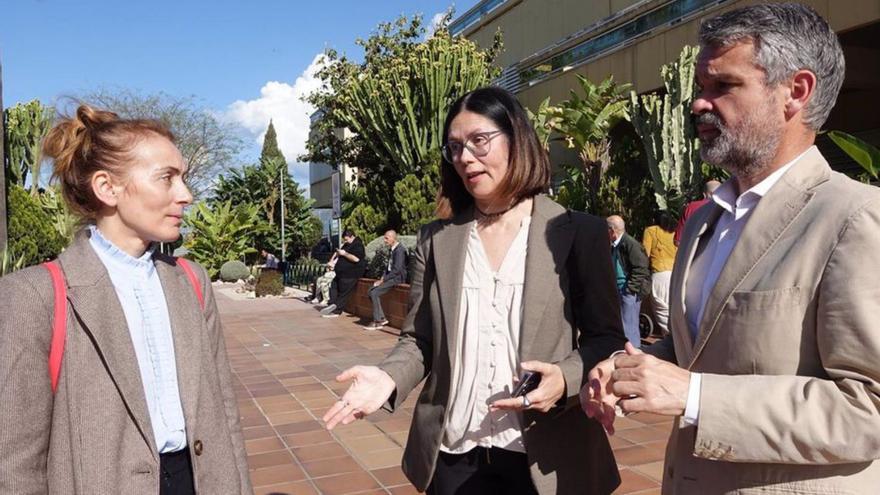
[(487, 349)]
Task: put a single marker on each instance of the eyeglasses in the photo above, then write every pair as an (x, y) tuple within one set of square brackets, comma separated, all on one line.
[(478, 143)]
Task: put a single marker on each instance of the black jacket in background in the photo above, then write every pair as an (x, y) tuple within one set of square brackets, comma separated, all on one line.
[(635, 265), (397, 273), (347, 269)]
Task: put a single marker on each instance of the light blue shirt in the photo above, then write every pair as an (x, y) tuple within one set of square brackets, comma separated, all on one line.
[(140, 293)]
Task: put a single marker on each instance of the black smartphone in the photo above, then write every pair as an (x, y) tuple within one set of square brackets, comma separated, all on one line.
[(527, 382)]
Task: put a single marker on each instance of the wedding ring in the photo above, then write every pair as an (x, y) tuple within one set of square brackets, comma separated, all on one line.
[(526, 402)]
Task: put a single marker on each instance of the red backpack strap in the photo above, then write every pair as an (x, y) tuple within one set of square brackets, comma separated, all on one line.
[(193, 280), (59, 321)]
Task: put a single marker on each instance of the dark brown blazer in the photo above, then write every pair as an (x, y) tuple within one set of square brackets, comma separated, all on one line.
[(94, 435), (571, 317)]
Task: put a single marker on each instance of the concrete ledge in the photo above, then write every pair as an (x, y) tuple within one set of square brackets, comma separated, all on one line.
[(395, 302)]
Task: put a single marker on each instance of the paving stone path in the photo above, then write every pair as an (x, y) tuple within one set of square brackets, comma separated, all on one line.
[(285, 356)]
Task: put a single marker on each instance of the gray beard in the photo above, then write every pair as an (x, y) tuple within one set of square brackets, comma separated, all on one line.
[(744, 150)]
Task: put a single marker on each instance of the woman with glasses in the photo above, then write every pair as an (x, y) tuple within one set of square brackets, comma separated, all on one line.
[(508, 282)]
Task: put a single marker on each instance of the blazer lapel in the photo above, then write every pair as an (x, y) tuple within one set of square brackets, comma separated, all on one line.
[(550, 240), (187, 328), (772, 216), (449, 247), (95, 304), (705, 218)]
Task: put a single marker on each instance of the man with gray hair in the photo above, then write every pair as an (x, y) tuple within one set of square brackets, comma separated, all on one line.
[(633, 276), (773, 362)]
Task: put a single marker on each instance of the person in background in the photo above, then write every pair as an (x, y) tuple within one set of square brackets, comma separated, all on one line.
[(507, 282), (271, 261), (632, 274), (658, 244), (693, 206), (351, 263), (395, 273), (323, 282), (772, 365), (143, 401)]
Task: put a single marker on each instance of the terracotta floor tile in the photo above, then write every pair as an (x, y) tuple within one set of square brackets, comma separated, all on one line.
[(653, 470), (319, 451), (381, 458), (258, 432), (282, 407), (329, 467), (633, 482), (289, 417), (346, 483), (300, 427), (308, 438), (364, 445), (262, 445), (637, 454), (269, 459), (404, 490), (643, 434), (277, 474), (298, 488), (392, 476), (356, 429)]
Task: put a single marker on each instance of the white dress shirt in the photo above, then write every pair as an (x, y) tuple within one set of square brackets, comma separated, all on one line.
[(712, 255), (487, 349), (143, 302)]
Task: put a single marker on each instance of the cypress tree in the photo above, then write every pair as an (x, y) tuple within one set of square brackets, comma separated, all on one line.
[(271, 151)]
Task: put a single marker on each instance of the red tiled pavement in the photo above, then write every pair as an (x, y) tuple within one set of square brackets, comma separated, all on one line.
[(285, 356)]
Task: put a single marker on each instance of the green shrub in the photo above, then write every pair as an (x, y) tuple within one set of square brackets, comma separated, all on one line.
[(269, 284), (32, 234), (233, 271)]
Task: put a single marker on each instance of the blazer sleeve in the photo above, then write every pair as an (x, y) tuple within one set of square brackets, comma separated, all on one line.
[(639, 281), (594, 304), (805, 419), (26, 399), (410, 360), (224, 374)]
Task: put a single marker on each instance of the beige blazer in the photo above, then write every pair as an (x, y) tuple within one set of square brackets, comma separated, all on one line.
[(570, 317), (94, 435), (789, 345)]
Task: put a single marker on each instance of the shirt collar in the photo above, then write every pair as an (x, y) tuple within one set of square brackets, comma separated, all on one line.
[(615, 243), (725, 196), (119, 257)]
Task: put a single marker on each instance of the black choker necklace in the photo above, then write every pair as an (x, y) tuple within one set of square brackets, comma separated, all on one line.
[(494, 215)]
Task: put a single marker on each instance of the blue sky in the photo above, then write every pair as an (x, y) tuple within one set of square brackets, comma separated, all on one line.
[(247, 61)]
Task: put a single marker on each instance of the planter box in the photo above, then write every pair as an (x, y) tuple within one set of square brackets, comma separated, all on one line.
[(395, 302)]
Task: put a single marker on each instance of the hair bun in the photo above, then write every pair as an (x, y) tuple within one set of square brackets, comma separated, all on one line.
[(91, 118)]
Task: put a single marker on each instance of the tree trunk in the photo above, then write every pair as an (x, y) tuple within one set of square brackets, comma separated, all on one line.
[(2, 168)]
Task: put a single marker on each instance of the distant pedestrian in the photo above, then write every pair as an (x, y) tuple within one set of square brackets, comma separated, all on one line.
[(633, 276), (394, 273), (271, 261), (660, 248), (351, 263)]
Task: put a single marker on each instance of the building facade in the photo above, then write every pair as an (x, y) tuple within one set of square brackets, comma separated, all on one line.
[(321, 183), (547, 42)]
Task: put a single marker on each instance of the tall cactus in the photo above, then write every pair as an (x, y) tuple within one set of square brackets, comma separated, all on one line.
[(26, 126), (667, 133), (401, 104)]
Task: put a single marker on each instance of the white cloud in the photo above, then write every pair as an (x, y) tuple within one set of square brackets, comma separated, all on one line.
[(282, 103), (432, 27)]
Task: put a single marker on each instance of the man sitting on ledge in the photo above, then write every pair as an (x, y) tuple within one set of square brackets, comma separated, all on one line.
[(395, 273)]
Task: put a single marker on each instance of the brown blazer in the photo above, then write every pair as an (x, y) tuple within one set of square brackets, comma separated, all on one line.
[(570, 317), (788, 344), (94, 434)]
